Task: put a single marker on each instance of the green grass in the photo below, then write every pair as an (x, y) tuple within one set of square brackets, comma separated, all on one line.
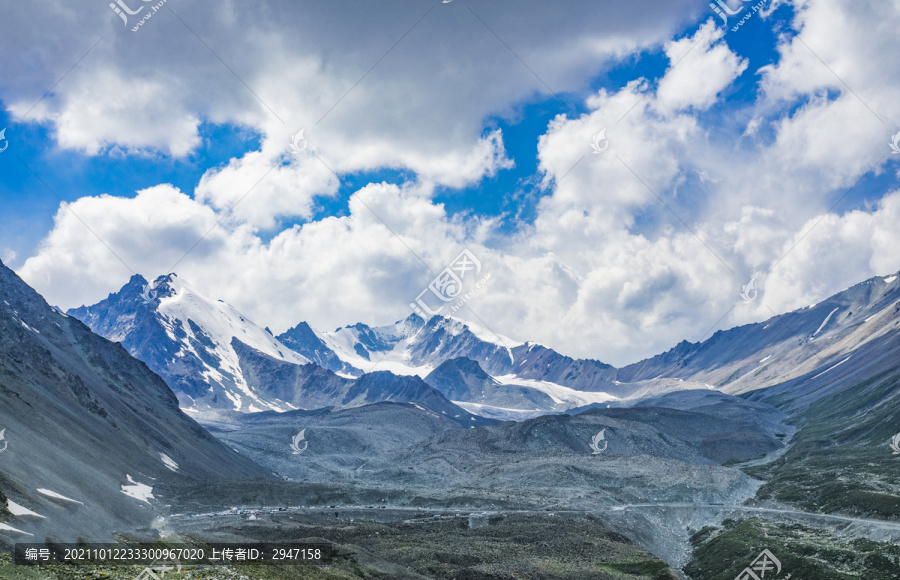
[(839, 461), (653, 569), (805, 553)]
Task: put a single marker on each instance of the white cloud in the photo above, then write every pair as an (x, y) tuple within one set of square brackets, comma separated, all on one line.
[(109, 112), (605, 271), (267, 184), (697, 81), (838, 251), (315, 70), (99, 242)]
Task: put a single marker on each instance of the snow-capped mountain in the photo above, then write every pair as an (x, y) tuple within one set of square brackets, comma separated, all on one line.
[(307, 342), (494, 375), (463, 381), (210, 354), (187, 339), (215, 358), (417, 346), (808, 343), (312, 387)]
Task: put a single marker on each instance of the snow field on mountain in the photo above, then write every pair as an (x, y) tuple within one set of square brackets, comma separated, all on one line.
[(138, 491), (220, 322), (560, 394)]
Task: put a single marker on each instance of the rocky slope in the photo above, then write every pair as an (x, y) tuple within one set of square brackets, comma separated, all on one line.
[(89, 430), (462, 379), (312, 387)]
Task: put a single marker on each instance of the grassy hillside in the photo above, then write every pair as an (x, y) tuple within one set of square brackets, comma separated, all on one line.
[(804, 553), (840, 460)]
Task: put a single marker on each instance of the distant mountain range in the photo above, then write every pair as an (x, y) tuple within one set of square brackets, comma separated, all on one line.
[(850, 334), (213, 357)]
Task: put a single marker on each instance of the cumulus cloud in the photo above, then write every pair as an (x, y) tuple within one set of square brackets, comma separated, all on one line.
[(835, 251), (98, 242), (631, 250), (106, 111), (697, 81), (420, 108)]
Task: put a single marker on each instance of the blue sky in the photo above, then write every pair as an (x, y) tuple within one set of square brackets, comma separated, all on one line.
[(75, 174), (456, 126)]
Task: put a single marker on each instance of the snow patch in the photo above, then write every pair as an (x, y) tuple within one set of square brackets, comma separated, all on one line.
[(18, 510), (890, 279), (489, 336), (765, 359), (397, 360), (55, 495), (399, 339), (5, 528), (824, 322), (501, 413), (170, 463), (834, 367), (559, 394), (138, 491)]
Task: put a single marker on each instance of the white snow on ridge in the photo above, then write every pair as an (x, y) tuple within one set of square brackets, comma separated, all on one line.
[(560, 394), (487, 335), (824, 322), (138, 491), (765, 359), (890, 279), (396, 360), (55, 495), (491, 337), (169, 462), (833, 367), (220, 322), (501, 413), (18, 510), (402, 337)]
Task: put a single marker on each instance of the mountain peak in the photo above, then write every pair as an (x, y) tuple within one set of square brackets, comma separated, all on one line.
[(187, 339)]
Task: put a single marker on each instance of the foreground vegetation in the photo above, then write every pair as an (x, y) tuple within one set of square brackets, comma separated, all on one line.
[(839, 460), (804, 553)]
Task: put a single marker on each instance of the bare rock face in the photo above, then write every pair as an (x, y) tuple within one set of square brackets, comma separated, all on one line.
[(462, 379)]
